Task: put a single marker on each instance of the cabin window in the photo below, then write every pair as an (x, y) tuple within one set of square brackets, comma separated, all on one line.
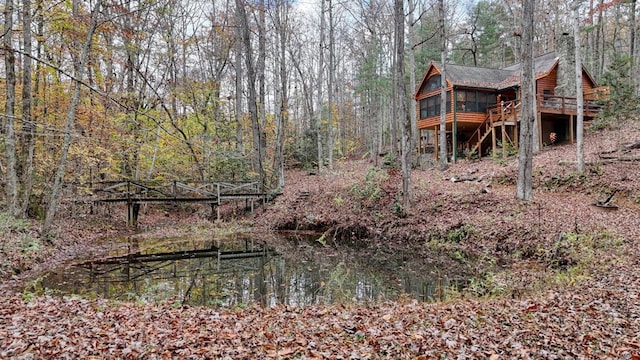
[(432, 84), (474, 101), (431, 106), (485, 100), (423, 108)]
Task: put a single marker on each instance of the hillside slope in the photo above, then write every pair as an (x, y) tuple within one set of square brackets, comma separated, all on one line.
[(561, 277)]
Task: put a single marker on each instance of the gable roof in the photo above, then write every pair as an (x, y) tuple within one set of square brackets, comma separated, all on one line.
[(475, 76), (496, 79), (542, 65)]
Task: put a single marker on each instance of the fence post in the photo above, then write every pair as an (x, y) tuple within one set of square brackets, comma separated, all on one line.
[(219, 201)]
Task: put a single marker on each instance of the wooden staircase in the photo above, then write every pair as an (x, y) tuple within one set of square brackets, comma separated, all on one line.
[(501, 116)]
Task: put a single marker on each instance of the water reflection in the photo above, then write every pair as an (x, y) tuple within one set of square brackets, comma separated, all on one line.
[(239, 272)]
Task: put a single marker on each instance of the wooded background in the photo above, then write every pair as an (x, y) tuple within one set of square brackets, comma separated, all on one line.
[(234, 90)]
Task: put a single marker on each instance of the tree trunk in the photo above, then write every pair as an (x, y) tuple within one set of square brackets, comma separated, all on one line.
[(252, 100), (600, 39), (11, 175), (442, 141), (238, 95), (401, 96), (79, 71), (527, 122), (281, 18), (261, 65), (330, 86), (632, 48), (412, 77), (320, 85), (579, 94), (28, 125)]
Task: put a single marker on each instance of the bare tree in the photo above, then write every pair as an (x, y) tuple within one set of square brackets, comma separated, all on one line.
[(401, 96), (11, 175), (261, 66), (281, 23), (330, 89), (28, 124), (320, 83), (252, 100), (79, 71), (527, 122), (238, 90), (442, 141), (412, 74), (633, 28), (579, 93)]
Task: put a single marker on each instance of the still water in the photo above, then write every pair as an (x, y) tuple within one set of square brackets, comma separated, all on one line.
[(241, 270)]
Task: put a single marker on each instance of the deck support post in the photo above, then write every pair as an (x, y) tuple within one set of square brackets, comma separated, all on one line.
[(515, 133), (493, 140), (133, 209), (436, 142), (504, 138), (539, 118), (571, 128), (219, 201)]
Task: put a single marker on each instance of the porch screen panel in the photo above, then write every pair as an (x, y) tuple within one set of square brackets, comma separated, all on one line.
[(485, 100), (423, 108), (474, 101), (431, 106), (461, 101)]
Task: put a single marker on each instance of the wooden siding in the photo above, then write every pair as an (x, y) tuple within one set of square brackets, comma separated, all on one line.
[(433, 122), (548, 82), (464, 120), (587, 84), (469, 120)]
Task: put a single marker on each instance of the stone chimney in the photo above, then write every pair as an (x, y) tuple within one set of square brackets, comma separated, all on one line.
[(565, 49)]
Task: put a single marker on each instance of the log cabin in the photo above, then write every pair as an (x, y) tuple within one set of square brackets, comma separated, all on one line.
[(483, 106)]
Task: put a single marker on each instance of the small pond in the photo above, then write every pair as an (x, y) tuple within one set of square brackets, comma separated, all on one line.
[(241, 270)]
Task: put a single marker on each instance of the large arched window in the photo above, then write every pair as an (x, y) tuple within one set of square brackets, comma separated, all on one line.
[(432, 84)]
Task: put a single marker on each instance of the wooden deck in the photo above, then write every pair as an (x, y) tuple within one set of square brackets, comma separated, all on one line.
[(549, 104), (505, 117)]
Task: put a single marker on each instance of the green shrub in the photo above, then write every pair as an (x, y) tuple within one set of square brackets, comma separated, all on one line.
[(370, 189), (8, 223)]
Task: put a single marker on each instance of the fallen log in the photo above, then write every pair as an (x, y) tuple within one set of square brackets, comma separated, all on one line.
[(635, 145)]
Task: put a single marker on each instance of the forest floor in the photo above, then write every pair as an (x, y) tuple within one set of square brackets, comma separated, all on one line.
[(556, 277)]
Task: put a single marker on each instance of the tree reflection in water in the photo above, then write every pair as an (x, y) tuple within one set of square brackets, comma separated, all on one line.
[(240, 272)]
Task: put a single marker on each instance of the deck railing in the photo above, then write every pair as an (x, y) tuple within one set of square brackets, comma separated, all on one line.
[(507, 110), (567, 105)]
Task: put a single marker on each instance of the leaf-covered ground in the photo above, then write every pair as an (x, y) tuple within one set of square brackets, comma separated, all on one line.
[(598, 321), (560, 278)]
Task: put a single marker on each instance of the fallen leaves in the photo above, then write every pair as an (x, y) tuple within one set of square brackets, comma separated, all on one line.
[(594, 318), (590, 325)]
